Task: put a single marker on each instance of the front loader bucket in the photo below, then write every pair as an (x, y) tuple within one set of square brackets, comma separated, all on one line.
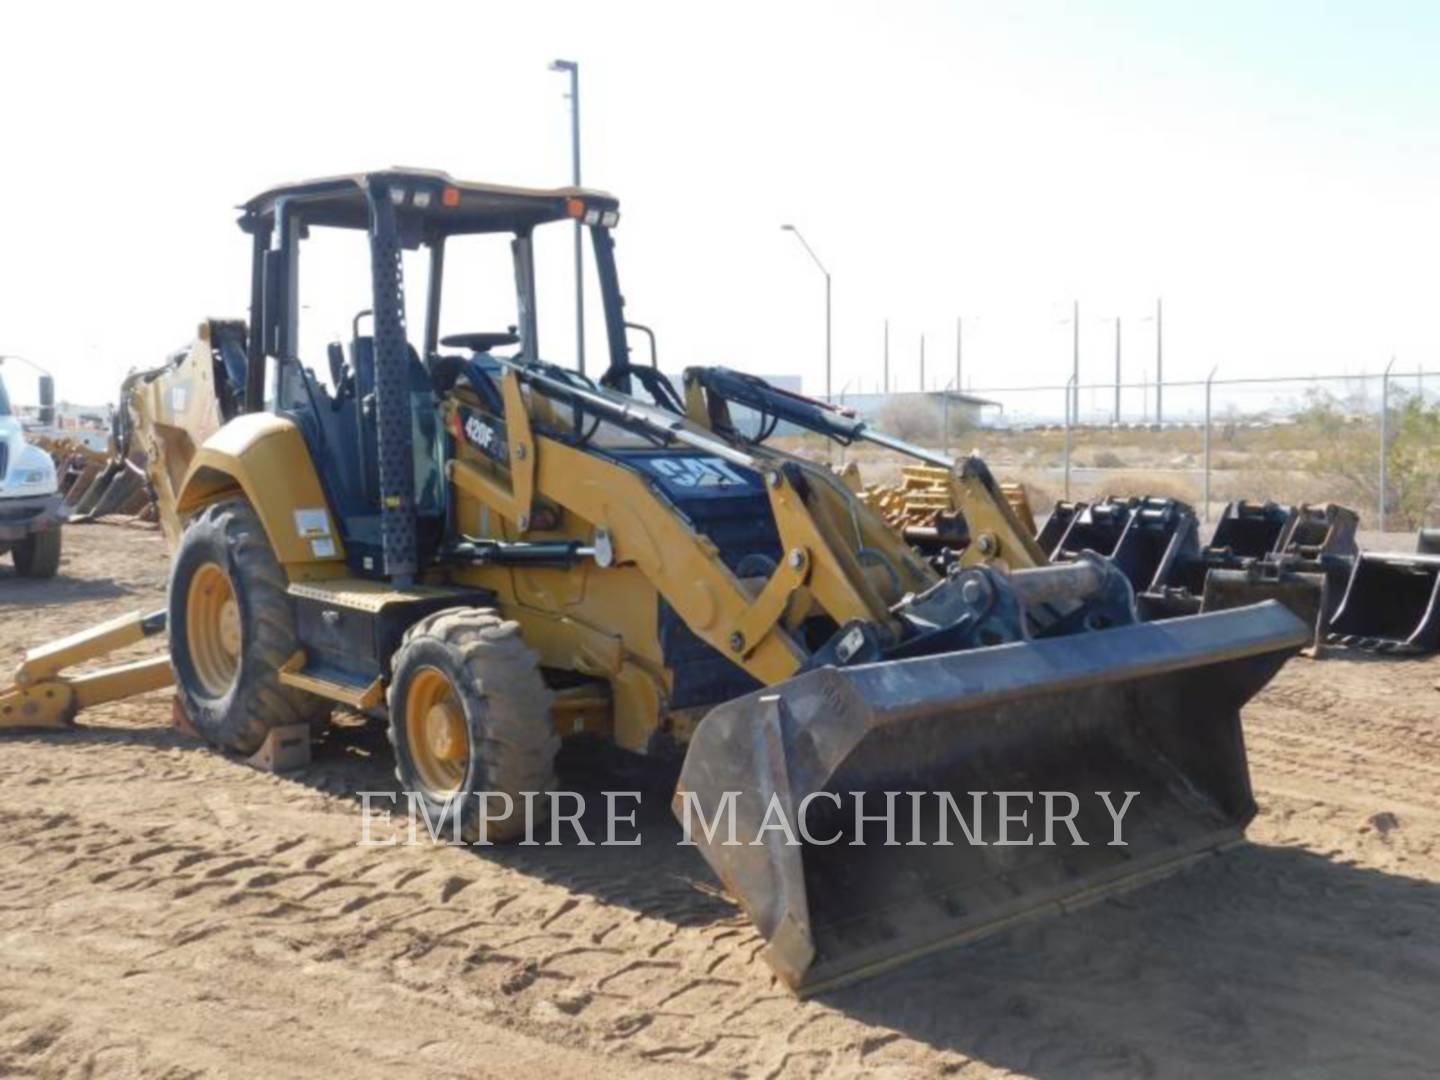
[(1392, 604), (1150, 708)]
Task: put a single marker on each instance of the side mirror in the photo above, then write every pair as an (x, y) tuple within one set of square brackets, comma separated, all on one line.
[(654, 363), (47, 401)]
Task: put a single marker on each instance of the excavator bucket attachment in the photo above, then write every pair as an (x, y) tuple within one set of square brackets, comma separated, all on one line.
[(1152, 709), (1308, 595), (1057, 525), (1392, 604), (118, 490), (1298, 555)]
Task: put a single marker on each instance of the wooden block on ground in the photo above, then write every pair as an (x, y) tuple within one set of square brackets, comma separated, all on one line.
[(180, 719), (284, 749)]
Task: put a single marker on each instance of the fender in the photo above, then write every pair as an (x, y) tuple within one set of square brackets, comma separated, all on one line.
[(264, 457)]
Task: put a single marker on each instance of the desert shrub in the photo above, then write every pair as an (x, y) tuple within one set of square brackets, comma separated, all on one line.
[(1108, 459), (1139, 482), (1041, 494), (913, 419), (1348, 449)]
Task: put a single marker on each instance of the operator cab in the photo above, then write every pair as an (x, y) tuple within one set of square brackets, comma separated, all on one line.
[(371, 418)]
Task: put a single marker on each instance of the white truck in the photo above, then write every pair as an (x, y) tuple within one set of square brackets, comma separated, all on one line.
[(31, 508)]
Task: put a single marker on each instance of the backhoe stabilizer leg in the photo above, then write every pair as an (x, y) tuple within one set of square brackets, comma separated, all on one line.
[(44, 698)]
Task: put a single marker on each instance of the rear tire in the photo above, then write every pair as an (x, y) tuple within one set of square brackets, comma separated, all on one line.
[(470, 713), (231, 630), (38, 555)]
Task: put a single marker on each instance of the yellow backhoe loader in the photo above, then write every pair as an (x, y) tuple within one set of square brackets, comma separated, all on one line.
[(493, 553)]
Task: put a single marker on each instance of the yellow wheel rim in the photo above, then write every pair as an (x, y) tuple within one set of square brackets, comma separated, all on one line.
[(212, 629), (436, 733)]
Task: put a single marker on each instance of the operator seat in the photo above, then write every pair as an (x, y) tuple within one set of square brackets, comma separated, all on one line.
[(343, 435), (362, 359)]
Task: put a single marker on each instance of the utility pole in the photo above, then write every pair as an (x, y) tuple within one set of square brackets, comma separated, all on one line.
[(1159, 364), (887, 356), (1384, 436), (922, 363), (1116, 421), (571, 68), (828, 331), (1075, 364)]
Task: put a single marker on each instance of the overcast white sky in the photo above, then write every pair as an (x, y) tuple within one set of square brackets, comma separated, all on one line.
[(1271, 169)]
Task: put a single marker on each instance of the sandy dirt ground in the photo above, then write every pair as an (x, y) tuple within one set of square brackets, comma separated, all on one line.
[(167, 911)]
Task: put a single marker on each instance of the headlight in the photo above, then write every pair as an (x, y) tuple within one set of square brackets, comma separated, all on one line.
[(32, 476)]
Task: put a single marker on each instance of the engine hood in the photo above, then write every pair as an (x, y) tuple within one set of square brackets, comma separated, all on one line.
[(25, 470)]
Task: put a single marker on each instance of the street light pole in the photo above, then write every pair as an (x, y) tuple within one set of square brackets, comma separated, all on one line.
[(1209, 379), (26, 361), (1071, 395), (571, 68), (1159, 364), (1116, 421), (1384, 436), (811, 252), (922, 363), (1075, 362)]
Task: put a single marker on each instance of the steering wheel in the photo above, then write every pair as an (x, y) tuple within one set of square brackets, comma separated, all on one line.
[(481, 342)]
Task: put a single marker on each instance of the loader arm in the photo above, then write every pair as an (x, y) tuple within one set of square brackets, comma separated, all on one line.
[(998, 536), (820, 564)]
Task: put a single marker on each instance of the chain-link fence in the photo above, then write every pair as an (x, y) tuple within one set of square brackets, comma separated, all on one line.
[(1207, 442)]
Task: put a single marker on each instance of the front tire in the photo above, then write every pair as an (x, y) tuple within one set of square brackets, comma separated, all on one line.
[(38, 555), (470, 714), (231, 630)]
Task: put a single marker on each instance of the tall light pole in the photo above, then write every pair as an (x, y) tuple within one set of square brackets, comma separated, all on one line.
[(1384, 435), (27, 362), (571, 68), (1116, 421), (1075, 363), (811, 252), (1159, 364), (922, 363)]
